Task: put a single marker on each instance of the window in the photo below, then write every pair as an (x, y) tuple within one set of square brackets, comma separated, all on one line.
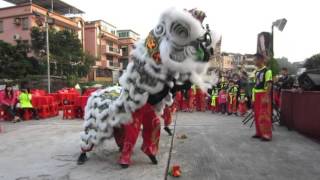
[(110, 59), (110, 44), (1, 26), (125, 63), (25, 23), (123, 34), (125, 51)]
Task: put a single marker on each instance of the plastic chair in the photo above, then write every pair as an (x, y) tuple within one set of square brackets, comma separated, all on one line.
[(4, 116), (27, 115), (69, 112)]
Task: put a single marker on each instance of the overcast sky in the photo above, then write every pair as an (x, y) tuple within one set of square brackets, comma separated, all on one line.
[(238, 21)]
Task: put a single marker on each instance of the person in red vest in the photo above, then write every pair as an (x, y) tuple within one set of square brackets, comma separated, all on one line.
[(242, 100), (262, 106)]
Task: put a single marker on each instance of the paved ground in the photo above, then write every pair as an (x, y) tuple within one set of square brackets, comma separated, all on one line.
[(217, 147)]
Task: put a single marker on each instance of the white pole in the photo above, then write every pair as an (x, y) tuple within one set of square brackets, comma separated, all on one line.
[(48, 52)]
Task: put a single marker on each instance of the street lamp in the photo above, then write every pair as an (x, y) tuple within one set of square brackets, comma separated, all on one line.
[(280, 24), (48, 52)]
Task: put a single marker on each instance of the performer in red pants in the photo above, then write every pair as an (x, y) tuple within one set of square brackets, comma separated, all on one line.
[(242, 99), (232, 98), (177, 103), (146, 116), (262, 100), (128, 135), (214, 104), (188, 100), (200, 100), (167, 117)]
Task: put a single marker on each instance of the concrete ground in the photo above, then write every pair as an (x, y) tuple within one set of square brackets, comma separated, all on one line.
[(217, 147)]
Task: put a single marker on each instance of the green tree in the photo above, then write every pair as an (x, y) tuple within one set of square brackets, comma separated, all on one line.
[(274, 66), (14, 62), (284, 63), (313, 62), (66, 53)]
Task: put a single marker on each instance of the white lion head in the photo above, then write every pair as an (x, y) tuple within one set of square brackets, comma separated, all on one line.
[(184, 44)]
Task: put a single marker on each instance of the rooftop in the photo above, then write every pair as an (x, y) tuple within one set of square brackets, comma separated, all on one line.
[(125, 30), (57, 5), (101, 21)]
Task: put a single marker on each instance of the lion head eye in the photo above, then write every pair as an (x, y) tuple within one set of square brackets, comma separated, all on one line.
[(179, 30)]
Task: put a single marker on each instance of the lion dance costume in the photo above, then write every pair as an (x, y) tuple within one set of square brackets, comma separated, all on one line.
[(174, 55)]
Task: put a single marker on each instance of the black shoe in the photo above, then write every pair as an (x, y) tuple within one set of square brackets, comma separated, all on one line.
[(124, 166), (256, 136), (153, 159), (168, 130), (82, 159)]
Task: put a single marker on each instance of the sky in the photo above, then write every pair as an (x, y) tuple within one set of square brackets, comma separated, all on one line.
[(238, 21)]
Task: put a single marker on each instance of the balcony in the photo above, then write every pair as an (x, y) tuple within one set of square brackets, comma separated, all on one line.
[(111, 50), (114, 65)]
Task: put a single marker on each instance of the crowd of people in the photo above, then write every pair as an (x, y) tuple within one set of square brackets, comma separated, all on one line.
[(227, 97), (14, 103)]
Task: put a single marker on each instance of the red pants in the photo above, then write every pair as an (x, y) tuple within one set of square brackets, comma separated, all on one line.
[(200, 100), (232, 104), (188, 103), (242, 108), (127, 136), (177, 103), (167, 115), (262, 115)]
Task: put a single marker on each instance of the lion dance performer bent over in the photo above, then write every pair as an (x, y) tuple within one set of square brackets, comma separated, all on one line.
[(172, 57)]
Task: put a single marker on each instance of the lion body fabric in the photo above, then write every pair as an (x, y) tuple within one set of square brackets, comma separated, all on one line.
[(160, 61)]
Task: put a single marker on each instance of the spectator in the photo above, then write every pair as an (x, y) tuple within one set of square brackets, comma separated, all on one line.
[(223, 101), (8, 101), (25, 103), (285, 81)]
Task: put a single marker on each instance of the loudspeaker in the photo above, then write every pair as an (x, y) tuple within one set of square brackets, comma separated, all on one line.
[(310, 81)]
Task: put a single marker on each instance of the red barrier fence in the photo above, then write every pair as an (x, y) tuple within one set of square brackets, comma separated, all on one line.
[(301, 112)]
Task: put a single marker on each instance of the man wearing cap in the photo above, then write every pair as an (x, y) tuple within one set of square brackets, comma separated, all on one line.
[(262, 100)]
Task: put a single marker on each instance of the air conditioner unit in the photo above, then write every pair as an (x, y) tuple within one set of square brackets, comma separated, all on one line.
[(17, 21), (16, 37)]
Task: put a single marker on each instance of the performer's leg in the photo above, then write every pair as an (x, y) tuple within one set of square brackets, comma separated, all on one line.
[(150, 133), (167, 117), (131, 133), (256, 109), (83, 156), (234, 105), (265, 117), (118, 134)]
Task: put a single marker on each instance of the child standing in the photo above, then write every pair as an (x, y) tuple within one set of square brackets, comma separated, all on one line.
[(214, 100), (223, 101), (242, 99)]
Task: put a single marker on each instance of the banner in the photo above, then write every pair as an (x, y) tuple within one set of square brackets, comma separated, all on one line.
[(264, 45)]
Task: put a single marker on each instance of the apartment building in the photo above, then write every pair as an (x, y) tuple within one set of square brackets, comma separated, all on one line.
[(102, 42), (17, 21), (127, 38)]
